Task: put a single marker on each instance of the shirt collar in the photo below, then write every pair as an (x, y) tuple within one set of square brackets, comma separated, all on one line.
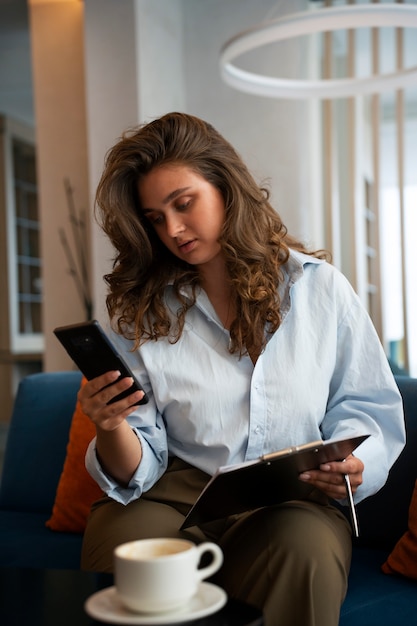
[(292, 271)]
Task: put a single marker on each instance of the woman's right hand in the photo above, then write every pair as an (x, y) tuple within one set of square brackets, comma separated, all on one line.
[(95, 394), (118, 448)]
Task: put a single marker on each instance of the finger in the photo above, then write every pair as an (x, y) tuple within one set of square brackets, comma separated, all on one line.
[(323, 477), (111, 409), (111, 391), (350, 465), (103, 381), (95, 385), (335, 490)]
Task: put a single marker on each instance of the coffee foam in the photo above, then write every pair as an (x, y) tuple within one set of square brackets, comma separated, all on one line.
[(153, 550)]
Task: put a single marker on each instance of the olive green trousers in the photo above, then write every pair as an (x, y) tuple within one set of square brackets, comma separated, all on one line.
[(290, 560)]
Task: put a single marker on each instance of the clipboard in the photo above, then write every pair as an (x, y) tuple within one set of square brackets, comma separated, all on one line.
[(269, 480)]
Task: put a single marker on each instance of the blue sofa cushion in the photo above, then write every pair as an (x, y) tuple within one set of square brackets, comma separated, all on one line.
[(26, 542), (375, 598)]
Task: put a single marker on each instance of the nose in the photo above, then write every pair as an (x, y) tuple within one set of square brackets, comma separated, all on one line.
[(174, 225)]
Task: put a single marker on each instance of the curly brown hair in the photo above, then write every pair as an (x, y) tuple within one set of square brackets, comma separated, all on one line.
[(254, 241)]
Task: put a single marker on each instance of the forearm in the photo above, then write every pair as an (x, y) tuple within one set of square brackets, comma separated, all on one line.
[(119, 452)]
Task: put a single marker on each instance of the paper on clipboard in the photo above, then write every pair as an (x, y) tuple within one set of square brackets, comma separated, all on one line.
[(269, 480)]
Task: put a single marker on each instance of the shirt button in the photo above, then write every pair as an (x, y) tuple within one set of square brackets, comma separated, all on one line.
[(257, 430)]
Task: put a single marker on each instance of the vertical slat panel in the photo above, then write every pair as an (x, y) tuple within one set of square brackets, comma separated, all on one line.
[(375, 299), (351, 152), (401, 182), (327, 112)]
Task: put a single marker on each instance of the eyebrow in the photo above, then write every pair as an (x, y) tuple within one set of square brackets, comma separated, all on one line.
[(171, 196)]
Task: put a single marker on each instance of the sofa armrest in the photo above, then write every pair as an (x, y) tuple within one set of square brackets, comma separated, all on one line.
[(383, 518), (37, 440)]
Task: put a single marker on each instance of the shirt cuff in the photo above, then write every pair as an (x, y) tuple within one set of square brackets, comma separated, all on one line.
[(145, 476)]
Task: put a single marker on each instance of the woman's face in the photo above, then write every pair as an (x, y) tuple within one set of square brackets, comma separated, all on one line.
[(186, 211)]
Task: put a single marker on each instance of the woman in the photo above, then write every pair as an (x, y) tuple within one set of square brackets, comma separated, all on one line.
[(245, 343)]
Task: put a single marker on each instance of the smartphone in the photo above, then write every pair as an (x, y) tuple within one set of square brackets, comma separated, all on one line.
[(92, 351)]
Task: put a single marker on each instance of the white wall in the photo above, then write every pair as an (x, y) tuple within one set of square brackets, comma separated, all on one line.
[(160, 62), (133, 73), (111, 104), (271, 135)]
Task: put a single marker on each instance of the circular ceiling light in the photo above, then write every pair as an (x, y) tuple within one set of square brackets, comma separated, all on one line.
[(306, 23)]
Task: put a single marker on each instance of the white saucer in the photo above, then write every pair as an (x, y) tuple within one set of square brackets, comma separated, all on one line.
[(105, 606)]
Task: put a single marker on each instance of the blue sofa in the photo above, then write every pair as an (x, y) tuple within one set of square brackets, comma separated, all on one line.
[(34, 458)]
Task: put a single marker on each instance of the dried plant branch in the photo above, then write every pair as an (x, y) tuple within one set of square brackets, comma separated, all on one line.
[(77, 254)]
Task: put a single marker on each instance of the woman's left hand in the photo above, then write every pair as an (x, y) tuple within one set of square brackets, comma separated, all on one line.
[(329, 478)]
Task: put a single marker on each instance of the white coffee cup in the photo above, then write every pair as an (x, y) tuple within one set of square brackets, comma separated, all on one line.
[(158, 575)]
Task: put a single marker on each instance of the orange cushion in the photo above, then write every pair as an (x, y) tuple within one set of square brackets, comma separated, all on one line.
[(76, 489), (403, 558)]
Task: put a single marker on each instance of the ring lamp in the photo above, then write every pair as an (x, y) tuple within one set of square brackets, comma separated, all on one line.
[(306, 23)]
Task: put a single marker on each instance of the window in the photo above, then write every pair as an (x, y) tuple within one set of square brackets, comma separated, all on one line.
[(29, 281), (20, 255)]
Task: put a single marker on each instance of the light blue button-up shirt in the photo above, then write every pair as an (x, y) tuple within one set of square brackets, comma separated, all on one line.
[(323, 374)]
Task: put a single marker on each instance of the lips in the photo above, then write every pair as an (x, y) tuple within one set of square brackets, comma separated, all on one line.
[(187, 246)]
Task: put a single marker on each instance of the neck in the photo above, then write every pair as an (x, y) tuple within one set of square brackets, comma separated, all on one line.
[(216, 283), (214, 278)]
